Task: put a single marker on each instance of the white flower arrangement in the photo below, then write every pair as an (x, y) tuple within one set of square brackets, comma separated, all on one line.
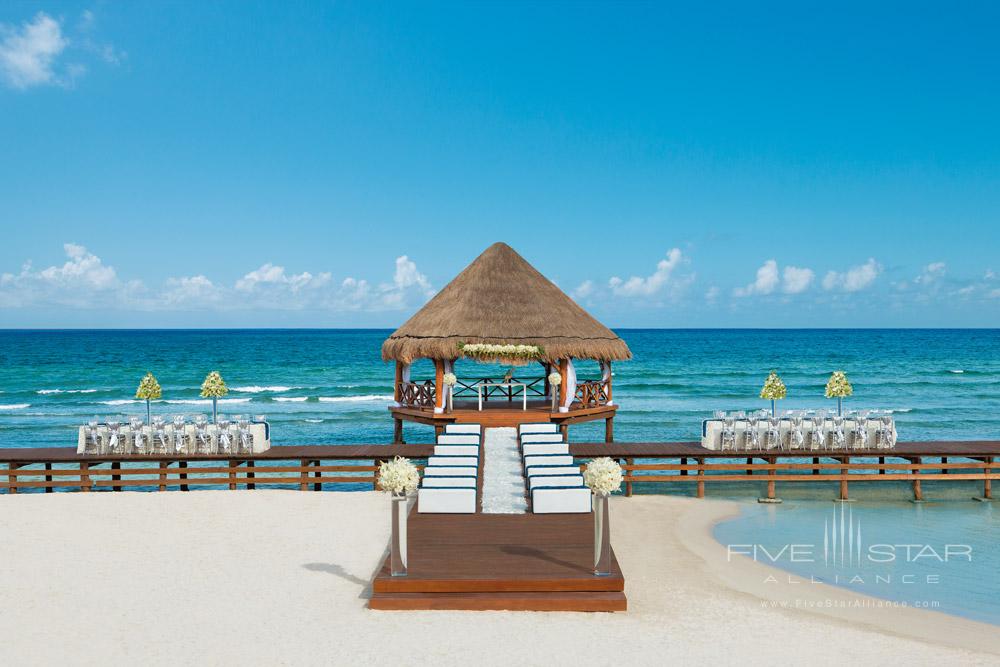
[(398, 476), (450, 379), (838, 386), (149, 389), (491, 352), (214, 386), (603, 476), (555, 379), (773, 389)]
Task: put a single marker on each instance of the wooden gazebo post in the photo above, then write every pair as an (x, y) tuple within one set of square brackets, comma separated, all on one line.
[(438, 392), (397, 394), (563, 388)]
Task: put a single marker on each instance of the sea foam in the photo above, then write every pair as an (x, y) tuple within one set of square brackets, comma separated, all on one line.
[(65, 391), (207, 401), (355, 399), (15, 406), (121, 401), (291, 399), (257, 389)]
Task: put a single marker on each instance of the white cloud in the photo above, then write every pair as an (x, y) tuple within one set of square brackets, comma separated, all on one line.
[(583, 290), (712, 294), (796, 280), (659, 280), (85, 281), (854, 279), (931, 274), (28, 54), (766, 281), (35, 53)]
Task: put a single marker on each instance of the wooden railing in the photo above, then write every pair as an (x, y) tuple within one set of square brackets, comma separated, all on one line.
[(418, 394), (592, 393), (303, 467)]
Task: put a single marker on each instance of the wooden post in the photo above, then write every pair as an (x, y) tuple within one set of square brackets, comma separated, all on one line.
[(317, 486), (846, 460), (918, 493), (684, 462), (815, 463), (749, 462), (232, 475), (944, 459), (376, 463), (397, 391), (183, 465), (628, 485), (609, 429), (770, 482), (304, 475), (116, 465), (438, 431), (48, 478), (85, 477), (250, 475), (397, 432), (564, 374), (12, 479), (439, 385), (610, 376), (987, 486), (163, 476), (881, 461), (701, 477), (547, 367), (564, 430)]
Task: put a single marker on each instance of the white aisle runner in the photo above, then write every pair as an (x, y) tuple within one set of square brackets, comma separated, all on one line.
[(503, 476)]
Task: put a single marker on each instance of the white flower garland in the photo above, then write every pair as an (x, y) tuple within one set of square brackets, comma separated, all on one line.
[(491, 351)]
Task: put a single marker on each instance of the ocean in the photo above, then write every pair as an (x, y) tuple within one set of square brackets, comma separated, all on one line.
[(331, 386)]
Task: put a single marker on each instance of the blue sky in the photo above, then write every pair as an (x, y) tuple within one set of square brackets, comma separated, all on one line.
[(333, 164)]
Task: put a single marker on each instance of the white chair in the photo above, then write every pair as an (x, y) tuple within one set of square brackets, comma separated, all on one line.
[(463, 429), (458, 482), (548, 460), (554, 500), (458, 439), (542, 427), (453, 461), (450, 471), (541, 471), (457, 450), (544, 448), (542, 437), (446, 500), (554, 480)]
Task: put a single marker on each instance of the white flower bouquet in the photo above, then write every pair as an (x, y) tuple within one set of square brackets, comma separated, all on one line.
[(773, 389), (398, 477), (505, 353), (555, 379), (603, 476), (149, 390), (214, 386), (450, 379), (838, 386)]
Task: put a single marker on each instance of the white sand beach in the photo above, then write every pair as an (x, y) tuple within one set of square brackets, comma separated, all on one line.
[(281, 577)]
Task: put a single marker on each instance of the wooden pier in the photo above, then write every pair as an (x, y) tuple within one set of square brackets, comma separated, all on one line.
[(310, 467)]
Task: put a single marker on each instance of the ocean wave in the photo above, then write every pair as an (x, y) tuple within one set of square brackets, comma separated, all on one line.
[(355, 399), (65, 391), (121, 401), (15, 406), (257, 389), (313, 421), (291, 399), (957, 371), (207, 401)]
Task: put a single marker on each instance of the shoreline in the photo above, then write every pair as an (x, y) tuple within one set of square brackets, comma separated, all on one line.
[(283, 577), (838, 605)]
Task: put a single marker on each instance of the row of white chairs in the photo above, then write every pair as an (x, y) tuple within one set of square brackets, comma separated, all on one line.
[(555, 484), (451, 478)]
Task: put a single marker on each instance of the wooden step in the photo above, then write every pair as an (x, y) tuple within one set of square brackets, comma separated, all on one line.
[(501, 601)]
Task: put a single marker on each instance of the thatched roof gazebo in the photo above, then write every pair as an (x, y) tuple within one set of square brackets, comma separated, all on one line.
[(500, 309)]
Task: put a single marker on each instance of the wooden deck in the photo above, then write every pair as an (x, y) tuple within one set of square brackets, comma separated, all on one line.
[(538, 562), (504, 413)]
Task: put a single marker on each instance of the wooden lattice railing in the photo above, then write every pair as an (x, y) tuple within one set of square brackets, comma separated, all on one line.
[(592, 393), (420, 394)]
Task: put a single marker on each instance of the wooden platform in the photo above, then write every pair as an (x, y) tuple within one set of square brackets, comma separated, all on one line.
[(503, 413), (500, 561)]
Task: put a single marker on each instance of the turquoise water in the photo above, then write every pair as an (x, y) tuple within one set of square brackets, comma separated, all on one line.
[(937, 556), (328, 387)]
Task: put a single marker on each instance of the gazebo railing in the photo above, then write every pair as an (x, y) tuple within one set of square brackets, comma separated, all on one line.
[(419, 394), (494, 387), (592, 393)]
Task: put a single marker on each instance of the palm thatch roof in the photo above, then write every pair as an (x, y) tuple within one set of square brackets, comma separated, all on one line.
[(498, 299)]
